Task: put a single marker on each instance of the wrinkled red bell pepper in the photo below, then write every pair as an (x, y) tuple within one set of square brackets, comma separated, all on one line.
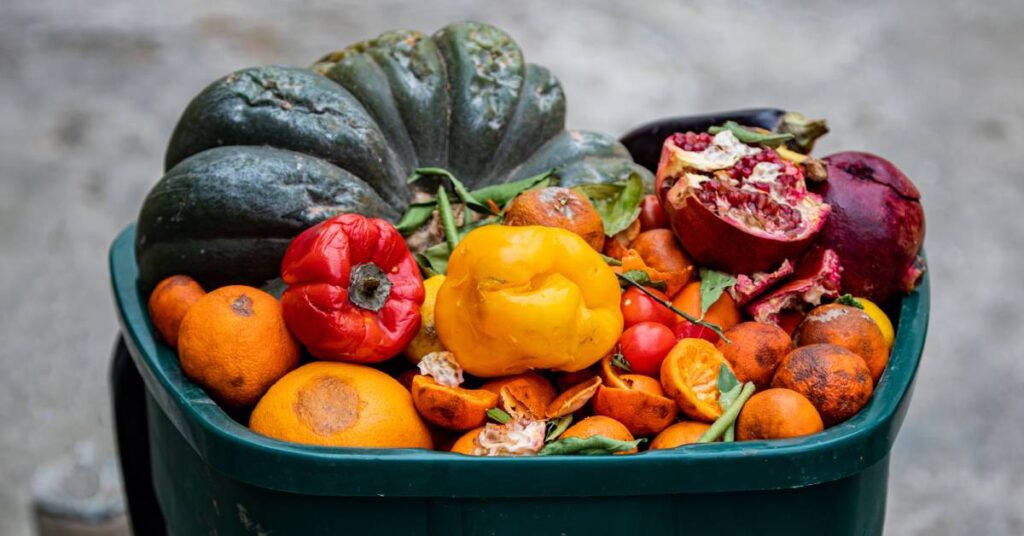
[(354, 290)]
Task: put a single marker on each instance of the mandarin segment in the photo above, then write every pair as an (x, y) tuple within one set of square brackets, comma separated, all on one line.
[(169, 302), (777, 414), (234, 343), (850, 328), (755, 351), (340, 405), (835, 380), (689, 375)]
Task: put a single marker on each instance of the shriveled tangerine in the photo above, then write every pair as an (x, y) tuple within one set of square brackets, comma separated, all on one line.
[(679, 434), (849, 327), (340, 405), (234, 343), (641, 406), (466, 443), (835, 380), (599, 425), (451, 408), (169, 302), (555, 206), (723, 313), (689, 376), (755, 350), (777, 414)]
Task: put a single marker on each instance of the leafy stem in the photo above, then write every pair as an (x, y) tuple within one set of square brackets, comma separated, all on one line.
[(673, 308)]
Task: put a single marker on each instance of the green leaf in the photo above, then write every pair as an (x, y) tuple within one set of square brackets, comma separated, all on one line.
[(275, 287), (618, 203), (712, 285), (592, 445), (620, 361), (726, 379), (556, 427), (415, 216), (848, 299), (498, 415), (612, 261), (805, 131), (501, 194), (434, 260), (751, 137), (464, 194), (444, 208), (642, 278)]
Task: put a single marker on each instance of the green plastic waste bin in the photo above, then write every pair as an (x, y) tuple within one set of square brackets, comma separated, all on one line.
[(213, 476)]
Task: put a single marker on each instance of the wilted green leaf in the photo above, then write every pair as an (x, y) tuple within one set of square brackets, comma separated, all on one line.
[(557, 426), (592, 445), (712, 285), (618, 203), (498, 415)]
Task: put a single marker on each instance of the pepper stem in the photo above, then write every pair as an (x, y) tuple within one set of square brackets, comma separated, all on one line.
[(369, 287)]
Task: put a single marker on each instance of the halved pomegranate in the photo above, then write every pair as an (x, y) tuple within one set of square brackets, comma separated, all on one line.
[(734, 207)]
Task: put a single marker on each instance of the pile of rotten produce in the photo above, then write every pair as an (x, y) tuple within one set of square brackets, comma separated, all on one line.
[(420, 195)]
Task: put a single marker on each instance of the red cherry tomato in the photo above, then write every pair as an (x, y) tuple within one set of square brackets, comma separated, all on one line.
[(689, 330), (638, 307), (645, 346), (652, 215)]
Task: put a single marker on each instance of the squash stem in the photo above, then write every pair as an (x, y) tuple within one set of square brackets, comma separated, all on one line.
[(444, 208), (728, 417)]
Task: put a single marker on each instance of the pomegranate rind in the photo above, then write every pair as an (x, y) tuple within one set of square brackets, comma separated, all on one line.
[(818, 277), (722, 242), (751, 286)]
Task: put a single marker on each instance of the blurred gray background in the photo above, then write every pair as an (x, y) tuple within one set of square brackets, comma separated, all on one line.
[(88, 97)]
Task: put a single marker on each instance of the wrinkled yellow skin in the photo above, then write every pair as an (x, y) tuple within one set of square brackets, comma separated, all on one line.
[(426, 340), (521, 298)]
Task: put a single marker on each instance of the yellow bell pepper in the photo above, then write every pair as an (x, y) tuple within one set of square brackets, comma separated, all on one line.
[(520, 298)]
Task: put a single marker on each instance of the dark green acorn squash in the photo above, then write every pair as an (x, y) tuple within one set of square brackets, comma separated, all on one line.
[(265, 152)]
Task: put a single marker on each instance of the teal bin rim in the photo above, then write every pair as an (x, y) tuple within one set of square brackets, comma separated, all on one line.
[(231, 448)]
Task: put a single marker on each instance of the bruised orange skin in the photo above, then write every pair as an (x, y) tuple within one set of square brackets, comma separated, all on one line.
[(340, 405), (755, 351), (617, 246), (234, 343), (723, 313), (849, 327), (451, 408), (777, 414), (679, 434), (689, 375), (555, 206), (573, 398), (641, 406), (466, 443), (529, 389), (660, 250), (835, 380), (602, 426), (169, 302)]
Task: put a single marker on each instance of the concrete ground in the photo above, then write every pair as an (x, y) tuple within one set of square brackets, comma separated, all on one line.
[(89, 96)]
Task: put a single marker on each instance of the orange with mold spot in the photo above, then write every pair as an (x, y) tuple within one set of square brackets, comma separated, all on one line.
[(234, 343), (835, 380), (850, 328), (340, 405)]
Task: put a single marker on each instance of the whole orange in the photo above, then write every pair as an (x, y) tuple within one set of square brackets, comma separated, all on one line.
[(233, 342), (777, 414), (755, 350), (169, 302), (723, 313), (555, 206), (835, 380), (340, 405)]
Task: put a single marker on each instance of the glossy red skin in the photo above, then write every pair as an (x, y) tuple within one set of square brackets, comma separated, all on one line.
[(638, 307), (652, 215), (715, 243), (877, 225), (689, 330), (645, 346), (316, 306)]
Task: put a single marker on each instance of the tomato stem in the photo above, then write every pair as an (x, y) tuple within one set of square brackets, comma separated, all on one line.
[(728, 417), (674, 309)]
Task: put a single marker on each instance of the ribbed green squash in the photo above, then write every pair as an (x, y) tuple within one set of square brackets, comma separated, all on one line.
[(265, 152)]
